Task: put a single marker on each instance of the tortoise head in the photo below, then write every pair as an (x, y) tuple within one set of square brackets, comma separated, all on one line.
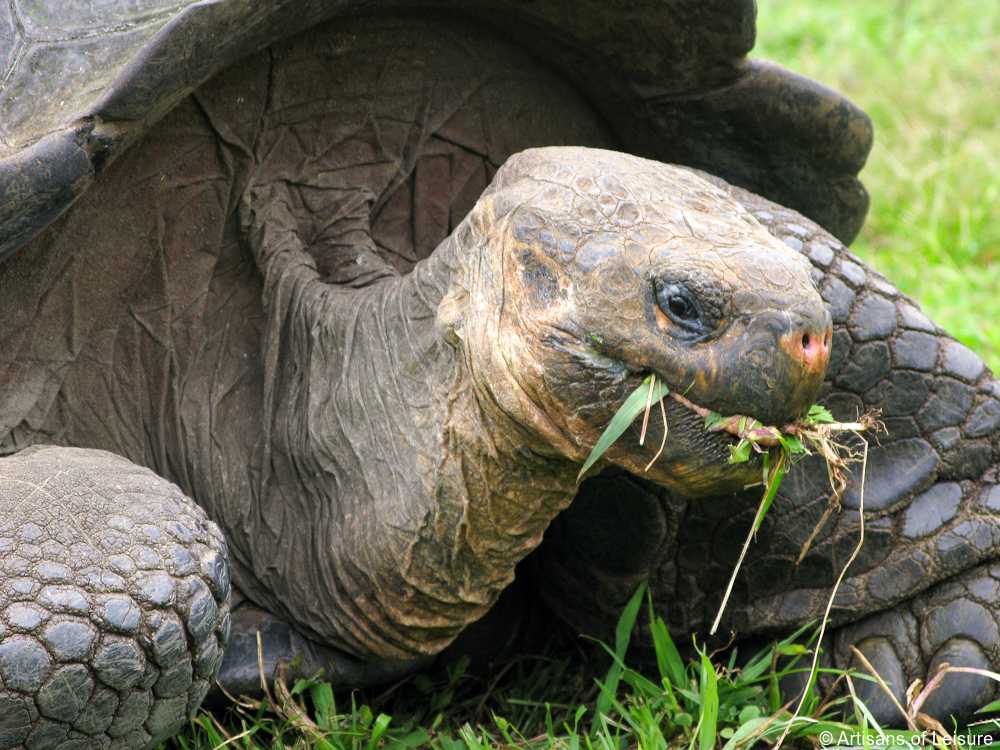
[(589, 270)]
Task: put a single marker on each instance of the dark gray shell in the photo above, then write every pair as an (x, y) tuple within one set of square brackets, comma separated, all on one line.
[(80, 81)]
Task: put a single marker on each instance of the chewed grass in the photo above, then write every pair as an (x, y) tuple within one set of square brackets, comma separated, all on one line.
[(780, 448)]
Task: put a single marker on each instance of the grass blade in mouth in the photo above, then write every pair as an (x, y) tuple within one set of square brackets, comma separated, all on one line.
[(640, 399)]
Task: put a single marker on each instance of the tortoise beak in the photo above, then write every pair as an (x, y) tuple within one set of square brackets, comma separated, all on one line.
[(771, 370), (793, 349), (807, 347)]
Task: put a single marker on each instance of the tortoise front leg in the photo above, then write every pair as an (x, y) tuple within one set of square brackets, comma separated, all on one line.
[(114, 601)]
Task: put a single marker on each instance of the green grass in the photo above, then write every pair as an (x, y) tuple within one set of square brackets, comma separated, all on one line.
[(928, 74), (552, 702), (549, 702)]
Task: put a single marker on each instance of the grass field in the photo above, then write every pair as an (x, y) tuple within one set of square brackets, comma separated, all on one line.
[(928, 73)]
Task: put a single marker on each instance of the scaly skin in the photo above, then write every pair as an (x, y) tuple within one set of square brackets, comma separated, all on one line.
[(114, 602)]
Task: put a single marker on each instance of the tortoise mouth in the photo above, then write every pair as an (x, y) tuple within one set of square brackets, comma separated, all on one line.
[(731, 424), (793, 410), (690, 457)]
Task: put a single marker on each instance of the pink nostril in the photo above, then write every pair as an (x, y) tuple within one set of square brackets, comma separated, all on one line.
[(815, 349), (809, 347)]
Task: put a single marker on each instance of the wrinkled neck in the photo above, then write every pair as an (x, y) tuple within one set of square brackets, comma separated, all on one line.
[(487, 496), (487, 493), (417, 497)]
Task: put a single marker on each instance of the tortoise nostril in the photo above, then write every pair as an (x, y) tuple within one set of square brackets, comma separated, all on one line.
[(809, 346)]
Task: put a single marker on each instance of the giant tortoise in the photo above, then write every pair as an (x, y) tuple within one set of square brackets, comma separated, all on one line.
[(307, 264)]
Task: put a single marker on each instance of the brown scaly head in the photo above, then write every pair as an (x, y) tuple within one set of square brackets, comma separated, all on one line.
[(588, 270)]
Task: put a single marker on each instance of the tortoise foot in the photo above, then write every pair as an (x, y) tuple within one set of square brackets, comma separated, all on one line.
[(283, 651), (953, 623)]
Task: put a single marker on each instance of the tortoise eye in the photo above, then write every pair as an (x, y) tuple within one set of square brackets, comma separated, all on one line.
[(677, 302), (682, 307)]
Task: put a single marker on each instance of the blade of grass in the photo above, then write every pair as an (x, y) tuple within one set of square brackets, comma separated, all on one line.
[(623, 418), (765, 503), (709, 706), (649, 404), (663, 442), (623, 634), (668, 659), (774, 482), (378, 729)]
